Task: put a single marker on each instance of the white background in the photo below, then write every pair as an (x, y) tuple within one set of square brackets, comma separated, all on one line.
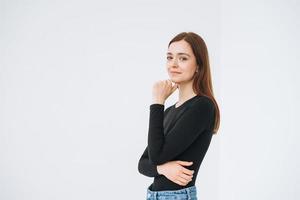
[(75, 90)]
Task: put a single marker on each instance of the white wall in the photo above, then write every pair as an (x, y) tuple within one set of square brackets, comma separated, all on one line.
[(260, 90), (75, 86)]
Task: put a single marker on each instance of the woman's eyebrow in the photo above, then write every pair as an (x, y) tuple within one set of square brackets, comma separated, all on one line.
[(169, 53)]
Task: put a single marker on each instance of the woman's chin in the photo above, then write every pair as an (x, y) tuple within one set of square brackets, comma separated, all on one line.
[(174, 79)]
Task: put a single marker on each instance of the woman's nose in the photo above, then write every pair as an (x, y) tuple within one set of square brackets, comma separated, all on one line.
[(174, 63)]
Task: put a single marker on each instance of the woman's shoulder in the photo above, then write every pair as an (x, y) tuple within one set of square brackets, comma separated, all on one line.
[(203, 101)]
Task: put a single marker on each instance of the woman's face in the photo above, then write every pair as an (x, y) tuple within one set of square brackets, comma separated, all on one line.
[(181, 62)]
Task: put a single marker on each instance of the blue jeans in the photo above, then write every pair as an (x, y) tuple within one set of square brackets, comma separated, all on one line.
[(189, 193)]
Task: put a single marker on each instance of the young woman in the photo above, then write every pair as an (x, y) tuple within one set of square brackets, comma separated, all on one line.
[(179, 136)]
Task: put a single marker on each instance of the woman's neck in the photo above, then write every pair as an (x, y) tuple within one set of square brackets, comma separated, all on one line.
[(185, 92)]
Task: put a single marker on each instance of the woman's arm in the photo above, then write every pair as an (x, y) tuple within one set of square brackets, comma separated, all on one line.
[(173, 170), (145, 167), (195, 120)]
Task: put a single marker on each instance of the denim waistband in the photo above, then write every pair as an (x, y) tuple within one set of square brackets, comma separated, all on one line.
[(188, 192)]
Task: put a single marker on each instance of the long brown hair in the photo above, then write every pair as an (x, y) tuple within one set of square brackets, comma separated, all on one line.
[(202, 84)]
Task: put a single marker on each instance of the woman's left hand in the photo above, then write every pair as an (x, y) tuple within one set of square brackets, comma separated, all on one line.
[(162, 90)]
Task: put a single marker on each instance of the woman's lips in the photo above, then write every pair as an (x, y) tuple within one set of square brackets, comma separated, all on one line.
[(175, 73)]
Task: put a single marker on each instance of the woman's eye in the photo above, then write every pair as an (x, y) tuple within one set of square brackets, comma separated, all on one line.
[(181, 58)]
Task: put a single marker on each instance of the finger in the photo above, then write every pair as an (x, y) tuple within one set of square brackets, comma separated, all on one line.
[(187, 171), (173, 83), (179, 182), (169, 82), (186, 177), (182, 180), (184, 163), (174, 87)]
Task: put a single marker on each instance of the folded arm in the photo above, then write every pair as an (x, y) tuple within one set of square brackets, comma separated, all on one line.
[(195, 120), (145, 167)]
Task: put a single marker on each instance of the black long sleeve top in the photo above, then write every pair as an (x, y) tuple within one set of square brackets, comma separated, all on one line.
[(177, 133)]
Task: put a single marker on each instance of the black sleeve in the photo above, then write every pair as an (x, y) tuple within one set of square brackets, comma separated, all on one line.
[(195, 120), (145, 167)]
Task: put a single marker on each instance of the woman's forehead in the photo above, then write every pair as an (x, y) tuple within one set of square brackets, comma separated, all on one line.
[(179, 47)]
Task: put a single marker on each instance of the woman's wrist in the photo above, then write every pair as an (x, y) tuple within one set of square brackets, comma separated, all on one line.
[(158, 101), (159, 169)]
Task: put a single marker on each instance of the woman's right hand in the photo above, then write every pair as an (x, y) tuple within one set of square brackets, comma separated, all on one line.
[(175, 171)]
